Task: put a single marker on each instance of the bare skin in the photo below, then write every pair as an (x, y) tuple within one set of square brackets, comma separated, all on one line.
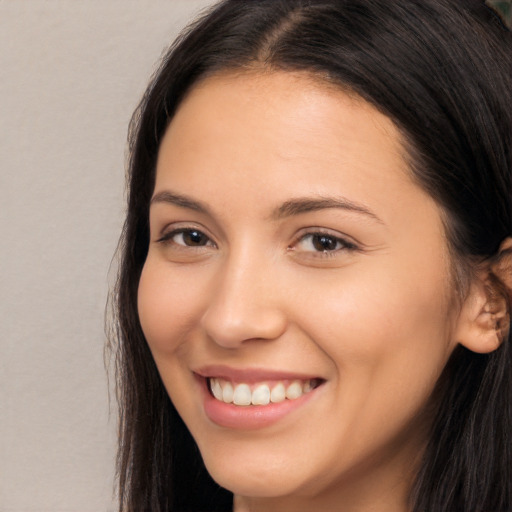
[(288, 236)]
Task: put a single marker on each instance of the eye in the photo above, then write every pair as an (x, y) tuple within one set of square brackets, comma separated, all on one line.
[(322, 243), (187, 238)]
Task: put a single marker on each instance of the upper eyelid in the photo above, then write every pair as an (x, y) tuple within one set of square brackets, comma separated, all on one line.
[(166, 239), (327, 235), (180, 226), (344, 246), (316, 230), (190, 211)]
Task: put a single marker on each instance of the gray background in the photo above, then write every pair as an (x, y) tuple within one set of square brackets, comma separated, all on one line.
[(71, 73)]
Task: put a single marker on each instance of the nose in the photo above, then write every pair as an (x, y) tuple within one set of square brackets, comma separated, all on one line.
[(243, 304)]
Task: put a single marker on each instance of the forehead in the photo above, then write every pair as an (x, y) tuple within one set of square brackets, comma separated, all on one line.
[(302, 102), (282, 131)]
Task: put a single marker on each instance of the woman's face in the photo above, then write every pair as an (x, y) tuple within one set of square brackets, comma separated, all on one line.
[(294, 260)]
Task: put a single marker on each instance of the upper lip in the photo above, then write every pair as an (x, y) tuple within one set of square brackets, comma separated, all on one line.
[(250, 375)]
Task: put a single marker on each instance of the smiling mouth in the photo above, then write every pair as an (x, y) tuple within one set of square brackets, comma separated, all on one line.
[(263, 393)]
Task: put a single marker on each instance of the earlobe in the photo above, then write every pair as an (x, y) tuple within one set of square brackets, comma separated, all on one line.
[(484, 321)]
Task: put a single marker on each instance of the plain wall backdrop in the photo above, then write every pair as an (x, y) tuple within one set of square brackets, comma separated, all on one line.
[(71, 74)]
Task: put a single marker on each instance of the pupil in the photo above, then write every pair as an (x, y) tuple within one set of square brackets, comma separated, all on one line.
[(193, 238), (324, 243)]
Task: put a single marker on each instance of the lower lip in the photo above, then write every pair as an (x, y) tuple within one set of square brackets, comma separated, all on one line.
[(249, 417)]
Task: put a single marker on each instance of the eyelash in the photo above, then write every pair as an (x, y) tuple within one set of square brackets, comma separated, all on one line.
[(167, 238), (340, 244)]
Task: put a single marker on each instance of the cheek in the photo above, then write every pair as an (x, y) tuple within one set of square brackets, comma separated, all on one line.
[(167, 306), (377, 308), (388, 335), (389, 343)]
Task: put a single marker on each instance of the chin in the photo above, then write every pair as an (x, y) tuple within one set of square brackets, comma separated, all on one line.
[(269, 486), (254, 480)]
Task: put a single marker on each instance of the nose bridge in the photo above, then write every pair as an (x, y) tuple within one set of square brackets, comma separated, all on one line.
[(243, 302)]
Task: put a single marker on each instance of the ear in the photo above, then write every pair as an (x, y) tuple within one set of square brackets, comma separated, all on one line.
[(484, 320)]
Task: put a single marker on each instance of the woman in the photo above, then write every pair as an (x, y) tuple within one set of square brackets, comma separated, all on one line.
[(314, 299)]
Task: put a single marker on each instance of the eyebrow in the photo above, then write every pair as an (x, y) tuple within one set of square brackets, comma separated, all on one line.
[(287, 209), (180, 200), (307, 204)]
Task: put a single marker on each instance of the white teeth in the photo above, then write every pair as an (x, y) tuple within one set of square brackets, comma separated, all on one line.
[(227, 393), (294, 390), (241, 394), (217, 389), (261, 395), (278, 393)]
